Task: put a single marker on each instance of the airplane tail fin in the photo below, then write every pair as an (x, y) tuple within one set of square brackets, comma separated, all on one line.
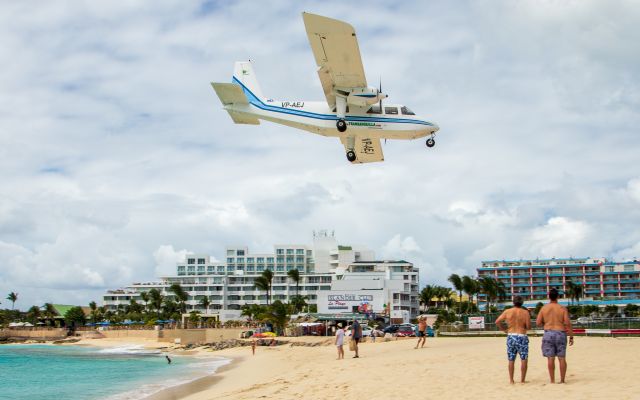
[(243, 73), (232, 94)]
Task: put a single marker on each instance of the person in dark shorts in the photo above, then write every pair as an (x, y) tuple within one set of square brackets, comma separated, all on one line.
[(356, 335), (422, 331), (557, 325)]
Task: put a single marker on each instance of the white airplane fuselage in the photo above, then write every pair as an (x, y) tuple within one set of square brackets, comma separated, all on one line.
[(316, 117)]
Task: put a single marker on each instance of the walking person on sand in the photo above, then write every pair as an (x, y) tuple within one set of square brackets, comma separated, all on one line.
[(422, 331), (340, 341), (518, 322), (556, 322), (356, 335)]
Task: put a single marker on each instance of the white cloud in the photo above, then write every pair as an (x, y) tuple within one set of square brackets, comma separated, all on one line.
[(559, 237), (166, 259), (115, 152)]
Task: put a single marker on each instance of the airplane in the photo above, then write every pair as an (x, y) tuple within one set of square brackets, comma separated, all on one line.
[(352, 112)]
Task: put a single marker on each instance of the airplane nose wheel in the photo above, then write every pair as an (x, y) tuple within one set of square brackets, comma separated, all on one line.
[(351, 155), (341, 125), (431, 142)]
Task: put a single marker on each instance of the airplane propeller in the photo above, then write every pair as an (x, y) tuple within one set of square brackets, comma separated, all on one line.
[(380, 91)]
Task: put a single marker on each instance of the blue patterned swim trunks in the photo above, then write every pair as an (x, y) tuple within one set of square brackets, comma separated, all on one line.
[(517, 344), (554, 344)]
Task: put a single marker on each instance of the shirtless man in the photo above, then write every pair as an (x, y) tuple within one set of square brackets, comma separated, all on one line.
[(518, 321), (557, 325), (422, 331)]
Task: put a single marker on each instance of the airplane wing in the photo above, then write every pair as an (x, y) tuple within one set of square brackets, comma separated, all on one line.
[(335, 48), (367, 149)]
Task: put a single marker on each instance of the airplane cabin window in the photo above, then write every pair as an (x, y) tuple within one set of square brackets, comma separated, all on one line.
[(375, 109), (405, 110), (391, 110)]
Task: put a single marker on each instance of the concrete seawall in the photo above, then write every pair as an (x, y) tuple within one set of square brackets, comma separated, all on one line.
[(34, 334)]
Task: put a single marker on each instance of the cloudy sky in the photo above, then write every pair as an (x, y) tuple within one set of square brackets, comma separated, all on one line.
[(116, 158)]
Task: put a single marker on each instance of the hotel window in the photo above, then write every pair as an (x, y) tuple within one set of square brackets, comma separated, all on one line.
[(230, 269), (240, 253), (201, 261), (260, 260), (210, 268), (300, 251), (191, 261), (279, 251), (249, 260), (309, 253), (240, 260), (260, 268), (250, 268), (280, 260), (289, 259), (231, 252), (289, 251), (299, 259), (220, 268), (229, 260), (270, 260), (280, 268)]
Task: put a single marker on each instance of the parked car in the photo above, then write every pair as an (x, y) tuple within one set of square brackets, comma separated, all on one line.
[(391, 328), (406, 330)]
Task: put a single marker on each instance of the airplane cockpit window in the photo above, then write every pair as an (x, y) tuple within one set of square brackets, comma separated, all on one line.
[(391, 110), (375, 109), (405, 110)]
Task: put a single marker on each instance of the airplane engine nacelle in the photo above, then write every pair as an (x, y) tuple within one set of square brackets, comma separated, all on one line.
[(363, 97)]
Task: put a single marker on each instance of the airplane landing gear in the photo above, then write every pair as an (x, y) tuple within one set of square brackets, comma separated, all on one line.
[(351, 155), (341, 125), (431, 142)]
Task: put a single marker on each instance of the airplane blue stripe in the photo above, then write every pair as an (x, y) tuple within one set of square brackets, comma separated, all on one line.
[(255, 101)]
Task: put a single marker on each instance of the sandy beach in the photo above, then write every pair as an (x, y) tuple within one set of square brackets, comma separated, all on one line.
[(461, 368)]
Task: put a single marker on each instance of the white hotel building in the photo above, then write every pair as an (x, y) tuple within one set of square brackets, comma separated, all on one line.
[(338, 279)]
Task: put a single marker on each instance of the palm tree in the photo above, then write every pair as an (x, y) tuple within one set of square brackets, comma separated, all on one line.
[(156, 300), (34, 314), (144, 296), (492, 288), (93, 306), (569, 288), (49, 312), (205, 303), (470, 286), (268, 275), (294, 274), (426, 295), (573, 291), (279, 314), (12, 297), (456, 281), (181, 296), (261, 283)]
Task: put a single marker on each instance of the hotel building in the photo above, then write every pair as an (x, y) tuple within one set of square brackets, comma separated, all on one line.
[(335, 278), (603, 281)]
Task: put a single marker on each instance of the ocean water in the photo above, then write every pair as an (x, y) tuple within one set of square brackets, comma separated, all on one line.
[(77, 372)]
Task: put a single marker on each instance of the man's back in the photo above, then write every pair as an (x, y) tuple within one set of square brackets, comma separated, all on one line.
[(518, 320), (554, 317)]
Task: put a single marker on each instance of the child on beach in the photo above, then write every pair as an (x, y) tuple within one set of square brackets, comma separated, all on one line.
[(340, 342)]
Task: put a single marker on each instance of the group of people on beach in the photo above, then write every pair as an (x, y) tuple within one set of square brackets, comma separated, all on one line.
[(555, 320), (356, 336), (515, 322)]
